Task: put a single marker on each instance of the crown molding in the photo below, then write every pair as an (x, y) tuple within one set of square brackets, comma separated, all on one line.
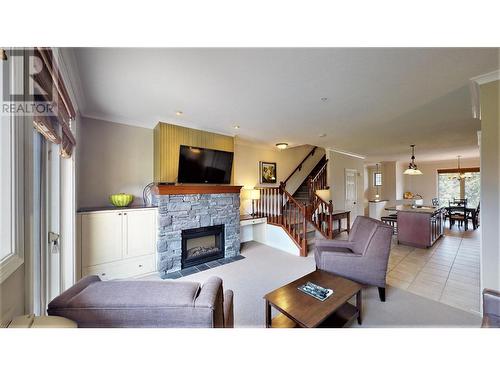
[(347, 153), (487, 77), (69, 70)]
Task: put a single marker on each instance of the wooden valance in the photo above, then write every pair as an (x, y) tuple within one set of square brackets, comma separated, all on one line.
[(196, 189), (456, 170), (55, 126)]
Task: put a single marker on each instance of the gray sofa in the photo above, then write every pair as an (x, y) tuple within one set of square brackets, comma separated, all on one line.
[(491, 309), (134, 303), (362, 258)]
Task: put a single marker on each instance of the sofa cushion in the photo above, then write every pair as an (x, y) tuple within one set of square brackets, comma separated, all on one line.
[(121, 293)]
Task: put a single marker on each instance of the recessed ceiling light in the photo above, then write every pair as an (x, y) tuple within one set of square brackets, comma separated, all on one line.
[(323, 99), (236, 126), (322, 135), (179, 113), (282, 145)]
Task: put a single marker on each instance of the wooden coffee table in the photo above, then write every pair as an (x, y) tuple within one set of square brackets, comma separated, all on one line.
[(301, 310)]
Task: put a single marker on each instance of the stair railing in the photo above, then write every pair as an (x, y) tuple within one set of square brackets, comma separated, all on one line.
[(294, 220), (319, 181), (270, 204), (321, 216), (281, 208)]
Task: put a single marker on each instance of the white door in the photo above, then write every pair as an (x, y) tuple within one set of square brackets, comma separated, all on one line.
[(351, 191), (139, 232), (101, 238)]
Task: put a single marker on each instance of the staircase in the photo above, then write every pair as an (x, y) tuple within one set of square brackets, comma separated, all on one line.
[(304, 192), (303, 214)]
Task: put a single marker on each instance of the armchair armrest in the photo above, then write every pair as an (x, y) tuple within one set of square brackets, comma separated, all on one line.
[(228, 309), (320, 242), (491, 302)]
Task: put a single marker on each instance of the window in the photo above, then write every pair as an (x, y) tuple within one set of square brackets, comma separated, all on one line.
[(450, 187), (377, 179), (10, 177), (472, 189), (6, 187), (6, 180)]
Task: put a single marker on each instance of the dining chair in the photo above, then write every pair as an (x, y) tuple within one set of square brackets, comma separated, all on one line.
[(458, 214), (474, 216), (460, 201)]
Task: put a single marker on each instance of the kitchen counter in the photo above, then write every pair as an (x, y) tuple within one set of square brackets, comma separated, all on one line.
[(419, 226), (407, 208), (376, 208)]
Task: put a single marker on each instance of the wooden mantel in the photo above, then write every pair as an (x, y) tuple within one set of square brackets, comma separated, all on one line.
[(196, 189)]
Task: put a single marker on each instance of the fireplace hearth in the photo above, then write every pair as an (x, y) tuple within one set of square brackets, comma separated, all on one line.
[(202, 245)]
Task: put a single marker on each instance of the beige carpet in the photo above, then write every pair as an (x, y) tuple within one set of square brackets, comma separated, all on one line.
[(266, 268)]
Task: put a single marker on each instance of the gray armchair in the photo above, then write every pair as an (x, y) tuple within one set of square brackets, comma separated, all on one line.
[(362, 258), (491, 309)]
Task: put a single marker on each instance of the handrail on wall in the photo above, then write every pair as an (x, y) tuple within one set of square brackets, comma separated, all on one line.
[(299, 167)]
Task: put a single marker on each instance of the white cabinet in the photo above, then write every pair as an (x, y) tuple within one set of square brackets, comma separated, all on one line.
[(101, 238), (117, 243), (139, 231)]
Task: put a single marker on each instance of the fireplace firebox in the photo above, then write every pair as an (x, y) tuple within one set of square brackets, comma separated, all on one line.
[(201, 245)]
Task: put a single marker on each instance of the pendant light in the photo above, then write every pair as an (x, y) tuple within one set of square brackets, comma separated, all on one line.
[(412, 167), (461, 174)]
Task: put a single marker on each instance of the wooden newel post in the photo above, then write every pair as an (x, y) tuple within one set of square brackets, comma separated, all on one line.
[(330, 219), (304, 238), (281, 202)]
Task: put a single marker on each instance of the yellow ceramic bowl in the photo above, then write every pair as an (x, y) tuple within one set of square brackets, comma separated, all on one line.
[(121, 200)]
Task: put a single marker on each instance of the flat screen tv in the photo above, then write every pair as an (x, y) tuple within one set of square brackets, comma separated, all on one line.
[(204, 166)]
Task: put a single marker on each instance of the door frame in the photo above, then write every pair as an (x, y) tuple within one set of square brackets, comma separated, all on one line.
[(356, 174)]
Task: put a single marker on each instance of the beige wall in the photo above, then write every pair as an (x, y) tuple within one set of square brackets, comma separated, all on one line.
[(389, 182), (490, 185), (336, 176), (246, 165), (167, 141), (426, 184), (12, 296), (112, 158)]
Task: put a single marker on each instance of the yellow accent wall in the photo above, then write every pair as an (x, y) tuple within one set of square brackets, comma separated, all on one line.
[(167, 141)]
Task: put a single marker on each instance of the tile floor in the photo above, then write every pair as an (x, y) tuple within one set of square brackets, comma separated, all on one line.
[(448, 272)]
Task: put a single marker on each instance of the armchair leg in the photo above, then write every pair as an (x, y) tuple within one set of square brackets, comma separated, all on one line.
[(381, 294)]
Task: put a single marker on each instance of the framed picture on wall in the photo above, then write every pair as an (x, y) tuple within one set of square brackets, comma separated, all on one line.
[(267, 173)]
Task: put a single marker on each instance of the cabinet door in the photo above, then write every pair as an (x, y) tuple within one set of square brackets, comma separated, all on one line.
[(101, 238), (139, 232)]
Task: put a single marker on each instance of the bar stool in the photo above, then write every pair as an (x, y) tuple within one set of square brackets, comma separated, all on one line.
[(391, 220)]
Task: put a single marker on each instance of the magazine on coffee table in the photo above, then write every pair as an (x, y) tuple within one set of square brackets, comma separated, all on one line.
[(315, 291)]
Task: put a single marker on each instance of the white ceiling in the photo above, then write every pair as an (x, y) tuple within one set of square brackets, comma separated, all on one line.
[(380, 100)]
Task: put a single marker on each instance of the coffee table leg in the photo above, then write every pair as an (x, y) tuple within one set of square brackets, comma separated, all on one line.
[(268, 315), (359, 306)]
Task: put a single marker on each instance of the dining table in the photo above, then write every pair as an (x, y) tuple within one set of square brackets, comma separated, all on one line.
[(470, 213)]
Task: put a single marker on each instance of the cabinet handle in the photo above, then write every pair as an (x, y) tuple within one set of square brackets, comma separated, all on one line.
[(125, 213), (103, 274), (120, 214), (140, 265)]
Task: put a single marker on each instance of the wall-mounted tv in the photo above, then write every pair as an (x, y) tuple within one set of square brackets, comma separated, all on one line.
[(204, 166)]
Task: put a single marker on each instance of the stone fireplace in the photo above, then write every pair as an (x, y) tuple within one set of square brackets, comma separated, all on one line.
[(202, 245), (206, 226)]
